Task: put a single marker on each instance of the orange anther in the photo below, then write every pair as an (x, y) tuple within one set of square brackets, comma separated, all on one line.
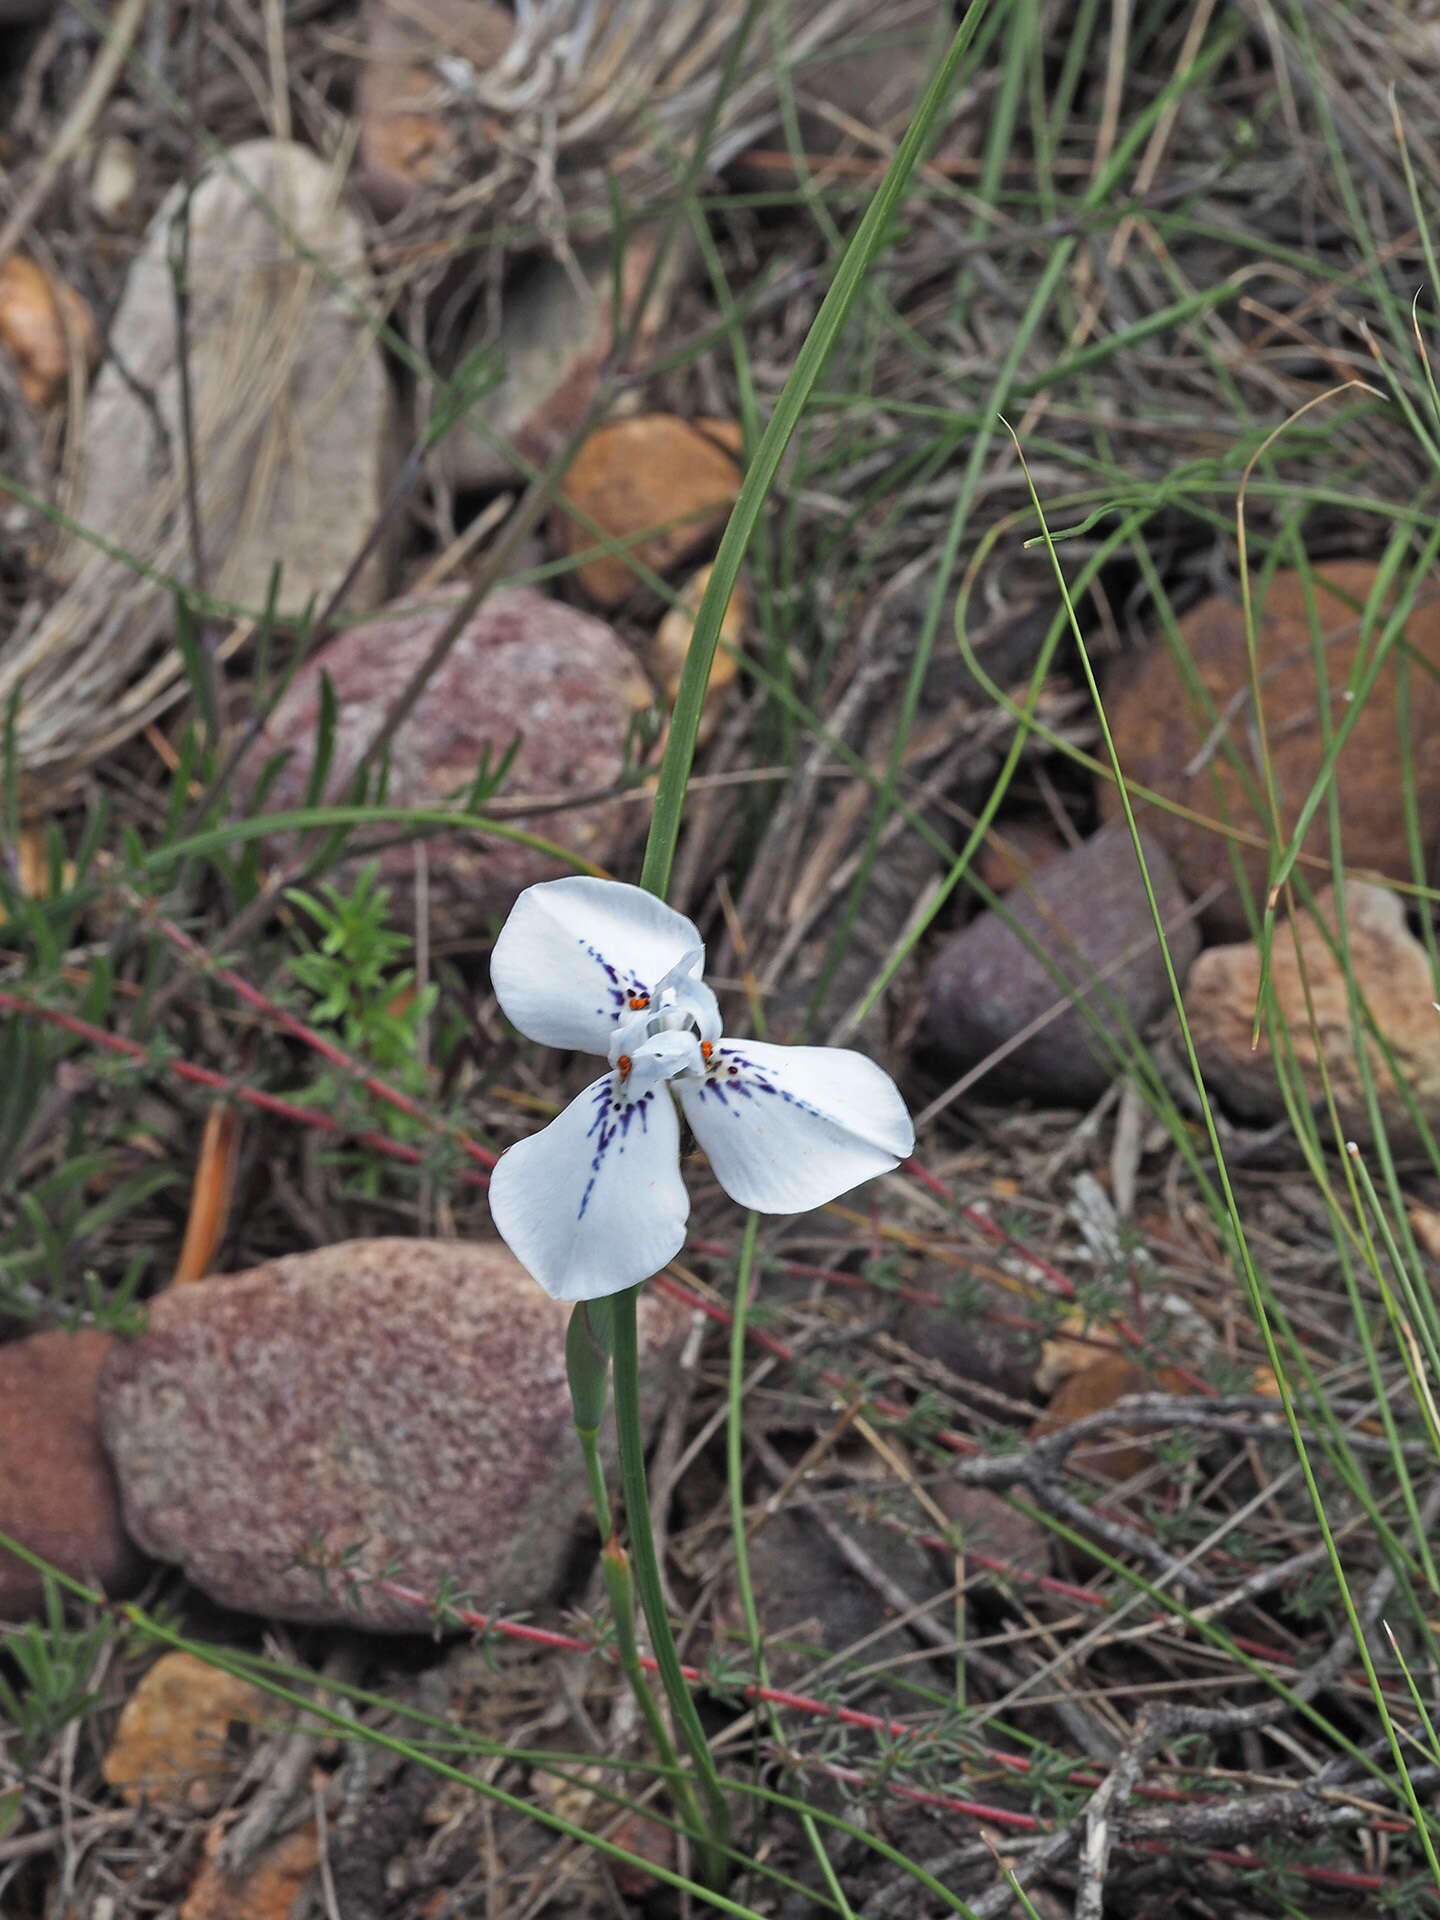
[(639, 1000), (623, 1063), (707, 1047)]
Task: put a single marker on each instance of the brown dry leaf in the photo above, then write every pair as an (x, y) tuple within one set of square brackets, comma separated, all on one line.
[(32, 864), (210, 1194), (672, 643), (268, 1891), (35, 312), (1091, 1390), (171, 1744)]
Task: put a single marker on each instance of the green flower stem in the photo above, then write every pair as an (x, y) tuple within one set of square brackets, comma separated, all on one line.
[(589, 1439), (630, 1432), (620, 1586), (871, 237)]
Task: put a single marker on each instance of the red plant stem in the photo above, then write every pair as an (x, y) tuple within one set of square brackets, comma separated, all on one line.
[(219, 1083), (336, 1056), (898, 1730)]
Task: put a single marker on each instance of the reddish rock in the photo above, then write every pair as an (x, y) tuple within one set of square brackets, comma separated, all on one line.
[(655, 476), (1086, 912), (525, 665), (1015, 851), (1165, 745), (57, 1490), (386, 1407)]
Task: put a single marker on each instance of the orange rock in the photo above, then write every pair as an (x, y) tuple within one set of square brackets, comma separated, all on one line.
[(1012, 853), (1392, 971), (35, 313), (172, 1745), (1162, 743), (268, 1892), (654, 476), (57, 1491)]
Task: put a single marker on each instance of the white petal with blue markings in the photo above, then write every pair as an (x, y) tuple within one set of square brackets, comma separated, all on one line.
[(788, 1128), (594, 1202), (578, 957)]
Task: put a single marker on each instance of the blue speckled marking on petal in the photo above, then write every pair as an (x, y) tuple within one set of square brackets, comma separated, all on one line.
[(737, 1084), (614, 1116), (622, 987)]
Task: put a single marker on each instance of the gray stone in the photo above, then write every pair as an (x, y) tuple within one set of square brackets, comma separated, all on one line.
[(555, 334), (394, 1408), (1088, 913)]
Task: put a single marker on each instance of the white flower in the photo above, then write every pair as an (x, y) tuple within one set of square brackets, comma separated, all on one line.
[(594, 1202)]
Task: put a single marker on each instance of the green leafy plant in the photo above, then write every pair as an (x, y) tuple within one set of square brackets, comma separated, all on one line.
[(50, 1686), (365, 995)]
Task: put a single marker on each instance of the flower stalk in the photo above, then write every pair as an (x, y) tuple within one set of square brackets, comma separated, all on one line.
[(630, 1431)]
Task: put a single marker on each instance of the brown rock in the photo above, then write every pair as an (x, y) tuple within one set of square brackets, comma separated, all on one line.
[(57, 1491), (525, 665), (653, 472), (39, 317), (556, 333), (862, 100), (975, 1338), (1392, 971), (991, 1528), (1089, 915), (857, 99), (1015, 852), (405, 140), (172, 1746), (1164, 745), (385, 1407)]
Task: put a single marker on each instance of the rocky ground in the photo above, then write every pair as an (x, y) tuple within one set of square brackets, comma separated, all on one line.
[(375, 384)]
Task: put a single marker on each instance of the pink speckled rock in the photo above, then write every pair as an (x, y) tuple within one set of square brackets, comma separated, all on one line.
[(394, 1407), (525, 665)]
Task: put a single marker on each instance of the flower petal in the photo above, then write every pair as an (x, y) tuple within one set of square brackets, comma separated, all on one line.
[(788, 1128), (576, 955), (595, 1202)]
